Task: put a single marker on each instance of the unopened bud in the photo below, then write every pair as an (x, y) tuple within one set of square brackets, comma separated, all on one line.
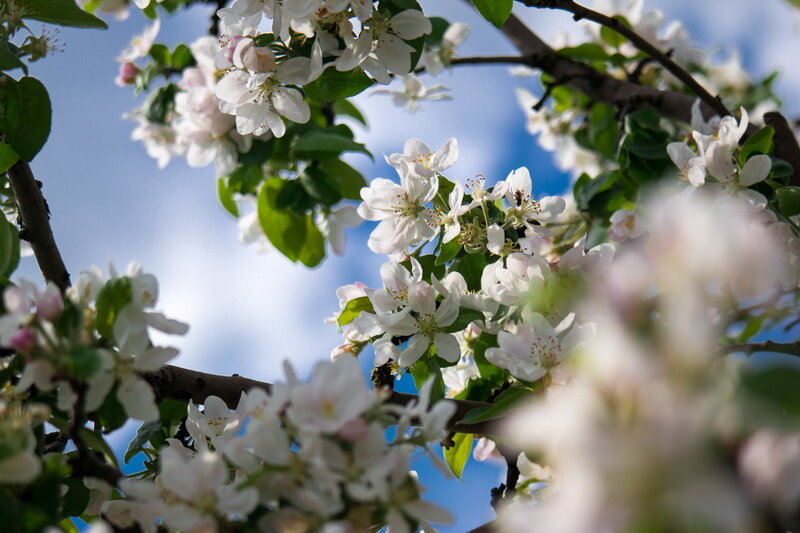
[(23, 341), (127, 74)]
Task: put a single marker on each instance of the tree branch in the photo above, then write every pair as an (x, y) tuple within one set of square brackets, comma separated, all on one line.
[(35, 217), (786, 146), (580, 12), (182, 384), (791, 348), (514, 60)]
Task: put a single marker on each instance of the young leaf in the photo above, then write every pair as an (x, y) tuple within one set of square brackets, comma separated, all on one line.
[(62, 13), (7, 157), (313, 250), (353, 308), (225, 197), (758, 143), (25, 115), (458, 454), (789, 200), (334, 85), (317, 144), (285, 229), (495, 11), (502, 405)]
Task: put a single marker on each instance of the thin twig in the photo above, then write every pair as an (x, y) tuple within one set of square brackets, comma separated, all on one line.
[(580, 12), (36, 229), (791, 348)]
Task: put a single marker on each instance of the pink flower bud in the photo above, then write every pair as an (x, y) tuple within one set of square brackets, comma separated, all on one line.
[(23, 341), (354, 430), (49, 304), (127, 73), (231, 48)]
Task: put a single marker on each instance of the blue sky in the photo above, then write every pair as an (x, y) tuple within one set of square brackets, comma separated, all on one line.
[(249, 312)]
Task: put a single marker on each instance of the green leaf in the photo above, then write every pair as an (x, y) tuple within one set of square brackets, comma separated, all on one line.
[(83, 362), (464, 318), (313, 250), (591, 51), (758, 143), (182, 57), (319, 185), (348, 108), (789, 200), (225, 197), (778, 385), (62, 13), (495, 11), (96, 442), (111, 414), (438, 27), (160, 103), (161, 54), (77, 497), (611, 37), (246, 179), (9, 59), (448, 252), (350, 180), (113, 296), (353, 308), (25, 115), (587, 188), (143, 435), (781, 168), (471, 267), (457, 455), (491, 373), (334, 85), (285, 229), (318, 143), (603, 129), (427, 368), (7, 157), (505, 402), (9, 247)]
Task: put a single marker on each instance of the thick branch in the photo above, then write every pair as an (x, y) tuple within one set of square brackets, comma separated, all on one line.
[(786, 146), (35, 217), (183, 384), (594, 84), (580, 12)]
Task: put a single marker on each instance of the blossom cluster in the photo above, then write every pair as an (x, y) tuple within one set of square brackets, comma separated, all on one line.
[(99, 335), (631, 439), (304, 456), (556, 126), (489, 274)]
